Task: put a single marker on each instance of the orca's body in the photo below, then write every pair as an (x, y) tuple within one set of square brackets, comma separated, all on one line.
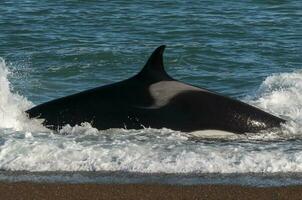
[(153, 99)]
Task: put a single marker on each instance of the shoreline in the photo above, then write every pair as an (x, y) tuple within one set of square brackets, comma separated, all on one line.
[(29, 190)]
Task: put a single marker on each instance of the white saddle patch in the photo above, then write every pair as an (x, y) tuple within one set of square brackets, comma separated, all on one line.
[(163, 91)]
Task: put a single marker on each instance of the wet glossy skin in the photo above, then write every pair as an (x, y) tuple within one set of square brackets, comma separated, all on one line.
[(153, 99)]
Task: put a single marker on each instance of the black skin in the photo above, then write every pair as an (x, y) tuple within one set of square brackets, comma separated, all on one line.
[(130, 104)]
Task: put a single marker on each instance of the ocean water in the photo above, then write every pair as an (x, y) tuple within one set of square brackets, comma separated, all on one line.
[(249, 50)]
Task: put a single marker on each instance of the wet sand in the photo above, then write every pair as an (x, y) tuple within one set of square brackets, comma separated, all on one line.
[(26, 190)]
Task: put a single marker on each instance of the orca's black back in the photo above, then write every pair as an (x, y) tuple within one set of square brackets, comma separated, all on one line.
[(131, 104)]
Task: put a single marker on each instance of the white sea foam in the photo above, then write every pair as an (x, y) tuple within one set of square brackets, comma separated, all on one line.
[(144, 152), (24, 145), (12, 106), (281, 94)]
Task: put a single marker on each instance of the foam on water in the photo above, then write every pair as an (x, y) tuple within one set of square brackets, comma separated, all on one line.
[(26, 145), (281, 94), (12, 106)]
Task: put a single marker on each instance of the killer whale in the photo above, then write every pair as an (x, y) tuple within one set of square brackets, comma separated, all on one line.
[(154, 99)]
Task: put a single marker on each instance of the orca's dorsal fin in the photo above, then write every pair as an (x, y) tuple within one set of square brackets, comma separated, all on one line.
[(154, 68)]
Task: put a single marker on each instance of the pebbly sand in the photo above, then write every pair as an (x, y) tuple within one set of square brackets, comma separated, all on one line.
[(26, 190)]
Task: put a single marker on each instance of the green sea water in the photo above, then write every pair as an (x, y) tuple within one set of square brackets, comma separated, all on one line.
[(61, 47), (250, 50)]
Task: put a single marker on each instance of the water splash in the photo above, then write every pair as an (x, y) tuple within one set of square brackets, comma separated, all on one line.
[(13, 106), (25, 145), (281, 94)]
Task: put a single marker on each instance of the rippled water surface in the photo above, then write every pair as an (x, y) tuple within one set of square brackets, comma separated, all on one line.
[(249, 50)]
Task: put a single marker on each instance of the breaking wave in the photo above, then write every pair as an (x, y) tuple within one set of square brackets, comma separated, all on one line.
[(26, 145), (281, 94), (13, 106)]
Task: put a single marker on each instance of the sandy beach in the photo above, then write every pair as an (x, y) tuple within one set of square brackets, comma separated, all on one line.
[(25, 190)]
